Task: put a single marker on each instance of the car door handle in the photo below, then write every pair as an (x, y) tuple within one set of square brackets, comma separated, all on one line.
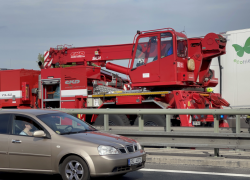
[(16, 141)]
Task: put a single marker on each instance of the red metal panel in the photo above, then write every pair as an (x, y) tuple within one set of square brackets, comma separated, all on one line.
[(31, 77), (25, 91), (211, 83), (80, 101), (51, 73), (10, 80), (93, 72), (74, 78), (128, 100), (146, 73), (11, 84), (186, 76), (68, 104), (168, 69), (10, 102)]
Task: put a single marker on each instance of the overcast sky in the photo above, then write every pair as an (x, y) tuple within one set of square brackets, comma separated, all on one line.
[(29, 27)]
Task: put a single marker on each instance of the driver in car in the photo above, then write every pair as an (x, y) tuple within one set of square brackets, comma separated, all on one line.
[(27, 127)]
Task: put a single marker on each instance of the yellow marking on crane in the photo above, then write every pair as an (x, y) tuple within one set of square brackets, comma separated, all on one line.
[(130, 94), (116, 92), (204, 95)]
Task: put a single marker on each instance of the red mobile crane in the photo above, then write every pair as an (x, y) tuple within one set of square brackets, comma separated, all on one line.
[(166, 70)]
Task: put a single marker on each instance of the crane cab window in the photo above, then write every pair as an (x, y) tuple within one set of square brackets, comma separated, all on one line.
[(182, 49), (166, 44), (146, 51)]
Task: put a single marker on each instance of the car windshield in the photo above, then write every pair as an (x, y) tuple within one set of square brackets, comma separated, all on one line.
[(62, 123)]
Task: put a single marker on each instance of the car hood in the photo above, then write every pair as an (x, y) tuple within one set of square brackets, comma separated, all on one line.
[(102, 138)]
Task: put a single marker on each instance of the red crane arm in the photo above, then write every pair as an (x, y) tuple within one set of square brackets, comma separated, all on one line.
[(93, 54)]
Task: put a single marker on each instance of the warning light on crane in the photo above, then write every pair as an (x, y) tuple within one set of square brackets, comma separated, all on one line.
[(210, 90)]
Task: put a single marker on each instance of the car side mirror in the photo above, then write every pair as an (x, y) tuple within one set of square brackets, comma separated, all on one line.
[(39, 133)]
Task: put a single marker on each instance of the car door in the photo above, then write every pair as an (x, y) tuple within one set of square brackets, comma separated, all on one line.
[(4, 135), (26, 151)]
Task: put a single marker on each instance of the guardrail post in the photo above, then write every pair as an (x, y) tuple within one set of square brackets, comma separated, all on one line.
[(216, 152), (216, 130), (141, 122), (168, 123), (106, 122), (237, 124), (216, 124)]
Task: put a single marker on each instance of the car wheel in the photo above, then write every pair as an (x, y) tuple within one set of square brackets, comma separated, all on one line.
[(114, 120), (74, 168), (152, 120)]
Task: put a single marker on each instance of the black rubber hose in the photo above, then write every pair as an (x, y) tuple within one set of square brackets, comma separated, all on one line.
[(220, 76), (37, 100)]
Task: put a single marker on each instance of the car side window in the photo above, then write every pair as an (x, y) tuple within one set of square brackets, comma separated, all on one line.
[(4, 122), (24, 126)]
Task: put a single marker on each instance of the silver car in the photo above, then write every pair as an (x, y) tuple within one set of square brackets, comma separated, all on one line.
[(46, 141)]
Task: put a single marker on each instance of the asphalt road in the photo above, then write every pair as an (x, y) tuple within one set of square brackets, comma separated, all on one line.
[(155, 172)]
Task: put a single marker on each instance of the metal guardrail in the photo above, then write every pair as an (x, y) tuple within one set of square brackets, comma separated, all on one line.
[(214, 140), (167, 112)]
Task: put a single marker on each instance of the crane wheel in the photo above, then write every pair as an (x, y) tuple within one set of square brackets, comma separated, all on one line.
[(114, 120), (152, 120)]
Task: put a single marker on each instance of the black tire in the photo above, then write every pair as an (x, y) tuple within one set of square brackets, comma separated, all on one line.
[(175, 122), (85, 175), (114, 120), (152, 120)]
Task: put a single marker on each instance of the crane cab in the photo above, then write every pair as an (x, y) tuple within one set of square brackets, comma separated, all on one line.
[(160, 58)]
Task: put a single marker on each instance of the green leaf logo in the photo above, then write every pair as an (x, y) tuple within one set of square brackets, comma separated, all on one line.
[(240, 50), (247, 46)]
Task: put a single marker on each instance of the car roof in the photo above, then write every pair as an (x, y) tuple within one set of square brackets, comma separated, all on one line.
[(34, 112)]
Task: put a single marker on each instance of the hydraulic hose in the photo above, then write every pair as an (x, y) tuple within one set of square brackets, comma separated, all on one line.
[(220, 76)]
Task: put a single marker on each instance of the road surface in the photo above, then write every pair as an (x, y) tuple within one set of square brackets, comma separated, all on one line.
[(153, 172)]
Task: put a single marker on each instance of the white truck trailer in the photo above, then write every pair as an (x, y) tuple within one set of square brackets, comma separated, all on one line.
[(234, 80), (233, 72)]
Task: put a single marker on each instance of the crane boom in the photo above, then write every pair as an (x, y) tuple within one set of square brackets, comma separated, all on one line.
[(95, 54)]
